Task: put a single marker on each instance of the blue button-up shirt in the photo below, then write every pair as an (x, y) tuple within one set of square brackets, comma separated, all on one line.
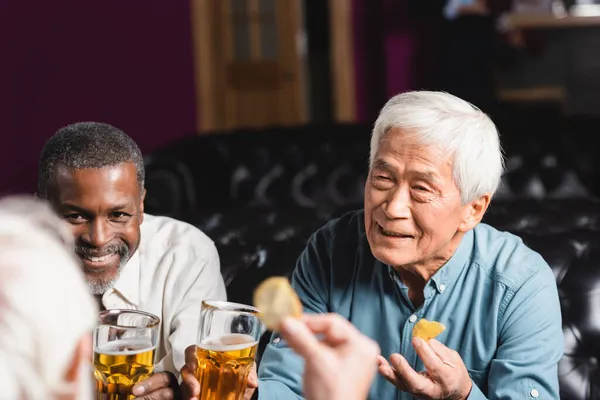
[(497, 298)]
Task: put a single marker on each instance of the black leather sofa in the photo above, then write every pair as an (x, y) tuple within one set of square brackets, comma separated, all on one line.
[(260, 194)]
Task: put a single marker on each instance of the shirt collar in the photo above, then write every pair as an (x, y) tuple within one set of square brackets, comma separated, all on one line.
[(127, 285), (448, 273)]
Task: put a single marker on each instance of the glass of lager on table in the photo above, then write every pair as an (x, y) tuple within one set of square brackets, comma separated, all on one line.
[(226, 348), (124, 347)]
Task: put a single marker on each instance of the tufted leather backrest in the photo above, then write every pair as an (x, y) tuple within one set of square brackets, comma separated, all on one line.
[(325, 167)]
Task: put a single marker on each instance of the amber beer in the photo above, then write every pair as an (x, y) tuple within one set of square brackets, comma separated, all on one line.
[(124, 348), (224, 364), (121, 364)]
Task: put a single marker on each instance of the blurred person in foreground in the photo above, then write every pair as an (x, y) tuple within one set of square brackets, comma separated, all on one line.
[(93, 175), (46, 312), (418, 250)]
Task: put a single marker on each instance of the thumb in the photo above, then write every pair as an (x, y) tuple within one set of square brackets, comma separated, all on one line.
[(448, 356), (299, 337)]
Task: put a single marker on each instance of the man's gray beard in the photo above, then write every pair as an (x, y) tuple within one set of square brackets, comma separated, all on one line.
[(99, 287)]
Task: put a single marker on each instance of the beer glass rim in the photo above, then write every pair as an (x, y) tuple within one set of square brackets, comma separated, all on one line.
[(153, 318), (229, 306)]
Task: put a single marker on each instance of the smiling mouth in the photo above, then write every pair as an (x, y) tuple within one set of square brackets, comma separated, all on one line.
[(97, 263), (393, 234)]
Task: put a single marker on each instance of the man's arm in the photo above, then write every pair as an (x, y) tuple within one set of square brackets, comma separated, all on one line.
[(198, 277), (193, 275), (531, 344), (280, 371)]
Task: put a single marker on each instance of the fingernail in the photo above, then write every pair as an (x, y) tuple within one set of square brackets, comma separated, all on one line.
[(290, 325), (138, 390)]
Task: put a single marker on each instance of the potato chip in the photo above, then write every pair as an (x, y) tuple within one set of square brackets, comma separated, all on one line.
[(426, 330), (276, 299)]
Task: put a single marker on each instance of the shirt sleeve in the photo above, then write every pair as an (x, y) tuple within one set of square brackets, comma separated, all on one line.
[(195, 276), (280, 371), (530, 344)]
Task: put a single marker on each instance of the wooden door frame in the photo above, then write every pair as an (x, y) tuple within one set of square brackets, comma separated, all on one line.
[(343, 74), (204, 48), (208, 44)]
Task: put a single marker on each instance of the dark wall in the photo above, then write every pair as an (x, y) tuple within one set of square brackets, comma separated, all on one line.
[(128, 63), (385, 40)]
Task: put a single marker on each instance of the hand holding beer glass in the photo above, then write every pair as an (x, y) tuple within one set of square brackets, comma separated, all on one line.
[(124, 347), (226, 349)]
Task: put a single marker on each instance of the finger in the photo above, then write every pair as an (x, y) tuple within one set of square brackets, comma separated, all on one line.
[(433, 363), (447, 355), (160, 394), (190, 387), (299, 337), (381, 361), (413, 382), (190, 358), (249, 393), (368, 347), (252, 378), (155, 382), (333, 327), (388, 372)]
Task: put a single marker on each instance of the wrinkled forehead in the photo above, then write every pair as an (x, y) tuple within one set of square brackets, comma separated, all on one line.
[(401, 146), (106, 185)]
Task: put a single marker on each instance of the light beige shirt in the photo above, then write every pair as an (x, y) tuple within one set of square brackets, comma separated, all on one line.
[(175, 267)]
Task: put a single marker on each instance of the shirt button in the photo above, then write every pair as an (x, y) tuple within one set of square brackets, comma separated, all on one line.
[(412, 318), (276, 340), (534, 393), (442, 287)]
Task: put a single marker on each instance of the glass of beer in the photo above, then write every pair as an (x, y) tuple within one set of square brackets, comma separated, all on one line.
[(124, 347), (226, 348)]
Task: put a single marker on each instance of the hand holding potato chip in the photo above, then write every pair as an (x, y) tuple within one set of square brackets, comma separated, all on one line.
[(445, 377)]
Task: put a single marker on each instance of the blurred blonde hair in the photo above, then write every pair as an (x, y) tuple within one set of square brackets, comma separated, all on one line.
[(45, 305)]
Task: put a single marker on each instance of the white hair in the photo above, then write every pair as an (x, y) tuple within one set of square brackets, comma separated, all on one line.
[(38, 212), (452, 125), (45, 310)]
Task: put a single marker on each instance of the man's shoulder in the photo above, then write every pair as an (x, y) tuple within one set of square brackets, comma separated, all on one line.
[(347, 227), (161, 234), (505, 257), (341, 239)]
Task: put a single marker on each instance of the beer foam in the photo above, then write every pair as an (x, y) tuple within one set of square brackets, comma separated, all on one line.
[(231, 342), (125, 347)]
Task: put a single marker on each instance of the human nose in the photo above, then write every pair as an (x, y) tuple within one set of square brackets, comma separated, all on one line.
[(98, 233), (398, 203)]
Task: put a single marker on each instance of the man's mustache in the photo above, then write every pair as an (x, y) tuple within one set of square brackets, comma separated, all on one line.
[(122, 249)]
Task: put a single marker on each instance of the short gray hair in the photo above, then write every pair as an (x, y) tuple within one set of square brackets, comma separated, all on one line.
[(87, 145), (450, 124)]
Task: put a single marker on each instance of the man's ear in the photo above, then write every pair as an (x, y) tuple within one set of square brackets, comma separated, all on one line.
[(142, 199), (473, 212)]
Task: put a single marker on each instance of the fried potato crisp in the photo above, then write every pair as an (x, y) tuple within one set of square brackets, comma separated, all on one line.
[(276, 299), (427, 329)]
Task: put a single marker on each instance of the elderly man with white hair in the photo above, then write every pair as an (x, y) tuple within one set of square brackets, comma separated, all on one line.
[(418, 250), (46, 312)]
